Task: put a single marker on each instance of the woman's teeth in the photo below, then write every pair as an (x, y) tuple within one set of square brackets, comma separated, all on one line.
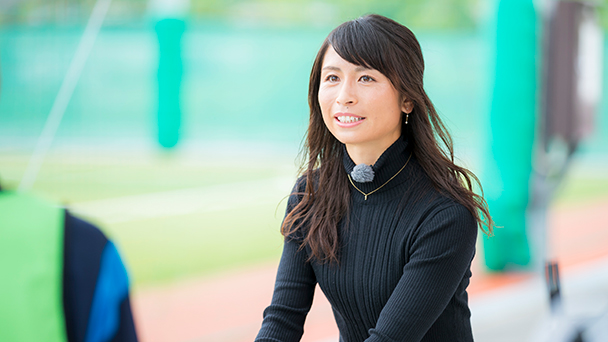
[(349, 119)]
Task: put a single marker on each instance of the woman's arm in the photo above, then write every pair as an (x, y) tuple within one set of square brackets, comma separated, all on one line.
[(293, 290), (438, 259), (292, 297)]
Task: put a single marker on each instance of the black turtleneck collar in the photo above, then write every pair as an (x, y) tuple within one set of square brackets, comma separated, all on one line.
[(389, 163)]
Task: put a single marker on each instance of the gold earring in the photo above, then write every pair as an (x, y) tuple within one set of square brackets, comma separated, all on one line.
[(407, 116)]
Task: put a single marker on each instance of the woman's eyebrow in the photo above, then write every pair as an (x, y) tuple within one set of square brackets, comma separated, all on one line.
[(335, 68), (331, 67), (362, 68)]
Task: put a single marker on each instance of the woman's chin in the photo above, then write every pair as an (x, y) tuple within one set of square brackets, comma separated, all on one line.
[(349, 140)]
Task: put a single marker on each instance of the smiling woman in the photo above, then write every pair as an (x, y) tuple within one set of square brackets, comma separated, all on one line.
[(382, 219)]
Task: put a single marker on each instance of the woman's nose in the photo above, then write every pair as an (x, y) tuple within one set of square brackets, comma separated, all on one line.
[(347, 95)]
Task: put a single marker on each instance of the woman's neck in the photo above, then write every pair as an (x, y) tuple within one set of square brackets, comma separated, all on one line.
[(366, 153)]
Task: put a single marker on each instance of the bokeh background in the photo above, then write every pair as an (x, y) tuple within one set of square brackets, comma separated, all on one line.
[(211, 206)]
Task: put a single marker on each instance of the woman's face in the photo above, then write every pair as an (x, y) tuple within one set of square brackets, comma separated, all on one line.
[(360, 106)]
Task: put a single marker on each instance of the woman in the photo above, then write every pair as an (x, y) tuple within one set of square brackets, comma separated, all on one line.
[(382, 219)]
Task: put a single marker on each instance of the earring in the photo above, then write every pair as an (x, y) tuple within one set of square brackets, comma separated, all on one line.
[(407, 116)]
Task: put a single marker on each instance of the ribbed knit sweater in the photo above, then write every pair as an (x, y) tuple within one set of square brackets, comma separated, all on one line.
[(404, 264)]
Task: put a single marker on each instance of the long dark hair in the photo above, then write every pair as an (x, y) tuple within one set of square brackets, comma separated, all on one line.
[(375, 42)]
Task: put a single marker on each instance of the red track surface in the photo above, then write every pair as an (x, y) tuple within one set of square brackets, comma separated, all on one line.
[(228, 307)]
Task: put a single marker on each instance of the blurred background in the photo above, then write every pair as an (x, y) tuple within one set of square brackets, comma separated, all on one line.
[(195, 209)]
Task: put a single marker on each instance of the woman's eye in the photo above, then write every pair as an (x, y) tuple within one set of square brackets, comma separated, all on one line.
[(366, 79), (331, 78)]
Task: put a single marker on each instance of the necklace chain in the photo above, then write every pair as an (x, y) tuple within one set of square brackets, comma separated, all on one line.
[(380, 187)]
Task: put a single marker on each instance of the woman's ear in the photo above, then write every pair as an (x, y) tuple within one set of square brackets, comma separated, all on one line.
[(407, 106)]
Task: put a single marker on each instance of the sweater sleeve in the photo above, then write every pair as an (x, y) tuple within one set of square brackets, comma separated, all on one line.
[(293, 293), (439, 257)]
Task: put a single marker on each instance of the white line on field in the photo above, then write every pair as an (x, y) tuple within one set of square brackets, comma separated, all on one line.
[(186, 201)]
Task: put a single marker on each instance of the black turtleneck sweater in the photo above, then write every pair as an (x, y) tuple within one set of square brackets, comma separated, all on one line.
[(404, 265)]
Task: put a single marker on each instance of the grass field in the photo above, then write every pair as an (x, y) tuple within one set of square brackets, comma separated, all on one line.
[(183, 217), (178, 217)]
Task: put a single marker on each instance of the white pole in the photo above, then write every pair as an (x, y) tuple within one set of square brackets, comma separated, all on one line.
[(65, 94)]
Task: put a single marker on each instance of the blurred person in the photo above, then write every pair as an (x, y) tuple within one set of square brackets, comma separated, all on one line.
[(381, 218), (62, 279)]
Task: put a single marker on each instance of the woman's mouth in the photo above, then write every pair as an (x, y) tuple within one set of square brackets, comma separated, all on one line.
[(348, 119)]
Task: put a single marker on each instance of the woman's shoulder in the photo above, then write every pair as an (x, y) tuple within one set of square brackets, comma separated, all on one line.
[(431, 198), (297, 192), (299, 187), (450, 206), (300, 184), (446, 214)]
